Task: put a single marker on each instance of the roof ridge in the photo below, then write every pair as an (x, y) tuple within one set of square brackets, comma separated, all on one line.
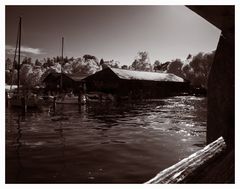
[(139, 71)]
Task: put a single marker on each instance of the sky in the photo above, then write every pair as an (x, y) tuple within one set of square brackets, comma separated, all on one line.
[(110, 32)]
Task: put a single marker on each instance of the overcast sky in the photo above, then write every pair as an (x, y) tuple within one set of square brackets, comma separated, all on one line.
[(110, 32)]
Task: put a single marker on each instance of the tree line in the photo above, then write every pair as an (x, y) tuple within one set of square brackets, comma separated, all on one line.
[(194, 69)]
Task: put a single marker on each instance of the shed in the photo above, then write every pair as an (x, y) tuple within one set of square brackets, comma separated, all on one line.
[(138, 84), (70, 82)]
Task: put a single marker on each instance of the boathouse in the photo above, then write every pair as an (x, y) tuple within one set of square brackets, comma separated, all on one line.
[(137, 84), (61, 82)]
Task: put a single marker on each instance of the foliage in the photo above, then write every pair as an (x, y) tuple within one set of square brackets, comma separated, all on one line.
[(125, 67), (157, 65), (8, 64), (90, 57), (38, 63), (194, 69), (175, 67), (111, 64), (142, 62), (201, 64)]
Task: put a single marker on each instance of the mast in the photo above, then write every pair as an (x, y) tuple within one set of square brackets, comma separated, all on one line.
[(62, 46), (19, 51), (61, 63), (14, 60)]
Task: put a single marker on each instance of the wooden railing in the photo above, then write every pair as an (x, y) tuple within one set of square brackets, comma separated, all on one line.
[(188, 166)]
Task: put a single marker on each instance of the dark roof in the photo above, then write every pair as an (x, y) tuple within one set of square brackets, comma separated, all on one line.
[(53, 75), (75, 77), (143, 75)]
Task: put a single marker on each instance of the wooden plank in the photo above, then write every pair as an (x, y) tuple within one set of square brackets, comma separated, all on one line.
[(186, 167)]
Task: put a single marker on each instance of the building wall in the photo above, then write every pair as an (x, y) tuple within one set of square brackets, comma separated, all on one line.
[(151, 89)]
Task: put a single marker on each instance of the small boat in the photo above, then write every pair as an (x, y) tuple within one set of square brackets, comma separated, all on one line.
[(99, 97), (30, 101), (59, 118), (71, 99), (16, 96)]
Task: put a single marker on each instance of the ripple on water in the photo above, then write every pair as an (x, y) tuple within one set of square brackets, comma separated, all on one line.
[(129, 143)]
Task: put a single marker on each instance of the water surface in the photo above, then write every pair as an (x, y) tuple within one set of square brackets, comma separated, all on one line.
[(103, 143)]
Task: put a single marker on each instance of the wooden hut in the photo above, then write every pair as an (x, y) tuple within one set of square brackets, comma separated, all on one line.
[(137, 84), (61, 82)]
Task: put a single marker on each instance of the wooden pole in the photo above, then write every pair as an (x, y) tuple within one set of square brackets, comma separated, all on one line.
[(24, 104), (54, 105), (6, 98), (182, 170), (19, 51)]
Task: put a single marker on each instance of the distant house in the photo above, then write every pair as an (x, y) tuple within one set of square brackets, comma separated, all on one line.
[(138, 84), (60, 82)]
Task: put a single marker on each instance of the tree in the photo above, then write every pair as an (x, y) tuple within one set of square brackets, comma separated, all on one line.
[(125, 67), (82, 66), (201, 64), (189, 56), (65, 60), (76, 65), (25, 70), (194, 69), (48, 62), (90, 66), (175, 67), (34, 77), (11, 77), (67, 68), (110, 64), (142, 62), (27, 60), (101, 62), (89, 57), (8, 64), (157, 65), (115, 64), (38, 63)]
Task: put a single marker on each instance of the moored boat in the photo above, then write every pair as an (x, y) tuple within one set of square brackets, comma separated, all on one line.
[(31, 101), (16, 96), (99, 97), (71, 99)]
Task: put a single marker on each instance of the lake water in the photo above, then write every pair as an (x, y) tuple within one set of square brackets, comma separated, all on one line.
[(103, 143)]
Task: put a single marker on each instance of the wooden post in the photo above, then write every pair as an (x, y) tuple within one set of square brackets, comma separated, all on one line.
[(188, 166), (6, 98), (79, 100), (24, 104), (54, 105)]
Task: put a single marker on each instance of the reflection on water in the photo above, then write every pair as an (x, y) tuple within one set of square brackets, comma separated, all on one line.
[(103, 143)]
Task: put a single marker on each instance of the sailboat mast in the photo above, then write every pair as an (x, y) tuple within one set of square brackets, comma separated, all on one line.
[(61, 63), (14, 59), (19, 51), (62, 47)]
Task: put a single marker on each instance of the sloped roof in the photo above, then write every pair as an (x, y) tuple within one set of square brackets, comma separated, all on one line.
[(77, 77), (53, 75), (143, 75)]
